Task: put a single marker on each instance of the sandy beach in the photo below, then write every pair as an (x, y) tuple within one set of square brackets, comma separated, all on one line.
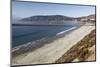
[(50, 52)]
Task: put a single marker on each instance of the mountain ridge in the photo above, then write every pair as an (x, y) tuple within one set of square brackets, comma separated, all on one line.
[(52, 20), (47, 18)]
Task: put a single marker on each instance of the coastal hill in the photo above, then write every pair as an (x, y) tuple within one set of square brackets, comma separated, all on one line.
[(55, 20), (87, 19), (47, 20)]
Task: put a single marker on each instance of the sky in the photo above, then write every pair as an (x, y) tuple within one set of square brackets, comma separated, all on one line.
[(27, 9)]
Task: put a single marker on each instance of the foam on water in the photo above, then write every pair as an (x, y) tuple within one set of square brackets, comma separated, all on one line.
[(66, 31)]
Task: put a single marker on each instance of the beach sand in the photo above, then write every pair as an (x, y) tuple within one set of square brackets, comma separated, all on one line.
[(50, 52)]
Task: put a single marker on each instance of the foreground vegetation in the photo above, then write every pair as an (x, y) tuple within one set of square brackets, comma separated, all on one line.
[(81, 50)]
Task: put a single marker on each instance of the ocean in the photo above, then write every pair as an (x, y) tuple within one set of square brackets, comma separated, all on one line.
[(23, 34)]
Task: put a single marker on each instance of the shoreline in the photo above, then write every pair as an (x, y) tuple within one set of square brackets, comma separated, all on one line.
[(54, 50), (62, 32), (84, 50), (39, 43)]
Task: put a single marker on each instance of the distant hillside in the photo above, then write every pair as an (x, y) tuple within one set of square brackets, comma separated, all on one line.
[(48, 20), (55, 20), (87, 19)]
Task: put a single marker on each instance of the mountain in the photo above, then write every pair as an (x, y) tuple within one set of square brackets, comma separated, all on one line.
[(47, 20), (87, 19), (54, 20)]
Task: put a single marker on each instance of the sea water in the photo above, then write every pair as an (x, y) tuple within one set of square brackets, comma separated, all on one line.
[(24, 33)]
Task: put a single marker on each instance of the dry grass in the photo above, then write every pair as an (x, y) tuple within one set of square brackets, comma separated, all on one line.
[(80, 50)]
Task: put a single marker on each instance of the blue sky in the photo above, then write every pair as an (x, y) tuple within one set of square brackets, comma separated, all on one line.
[(27, 9)]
